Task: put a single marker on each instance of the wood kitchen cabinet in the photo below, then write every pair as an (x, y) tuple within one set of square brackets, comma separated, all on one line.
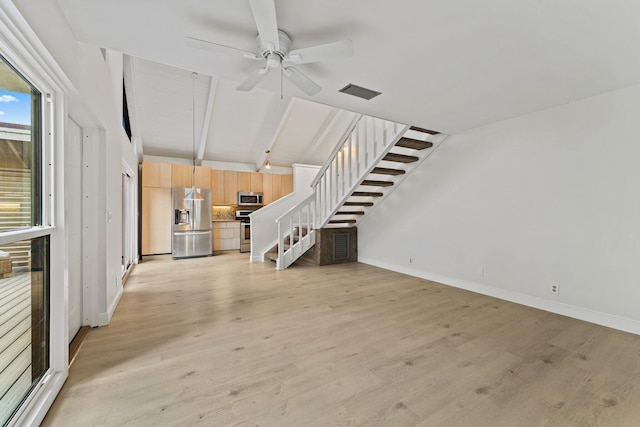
[(244, 181), (181, 176), (156, 175), (156, 220), (257, 181), (287, 184), (217, 188), (267, 189), (230, 187)]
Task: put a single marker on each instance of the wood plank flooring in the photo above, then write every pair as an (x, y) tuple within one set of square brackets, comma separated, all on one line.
[(222, 342)]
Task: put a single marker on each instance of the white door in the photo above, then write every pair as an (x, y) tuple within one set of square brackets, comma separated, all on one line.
[(73, 222)]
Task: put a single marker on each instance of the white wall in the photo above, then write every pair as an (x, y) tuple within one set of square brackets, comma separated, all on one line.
[(97, 106), (510, 208)]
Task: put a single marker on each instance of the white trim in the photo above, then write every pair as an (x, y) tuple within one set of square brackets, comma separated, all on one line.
[(24, 234), (592, 316), (22, 48), (105, 317)]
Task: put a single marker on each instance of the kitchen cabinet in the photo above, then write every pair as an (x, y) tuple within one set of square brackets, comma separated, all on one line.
[(276, 187), (181, 176), (257, 181), (244, 181), (226, 236), (230, 187), (156, 175), (217, 188), (287, 184), (267, 189), (156, 220)]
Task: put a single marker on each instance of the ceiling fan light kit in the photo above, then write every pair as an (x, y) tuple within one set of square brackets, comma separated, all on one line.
[(274, 47)]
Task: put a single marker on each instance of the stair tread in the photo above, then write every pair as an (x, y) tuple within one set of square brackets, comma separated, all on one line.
[(358, 204), (367, 193), (423, 130), (376, 183), (414, 144), (350, 213), (400, 158), (388, 171), (342, 221)]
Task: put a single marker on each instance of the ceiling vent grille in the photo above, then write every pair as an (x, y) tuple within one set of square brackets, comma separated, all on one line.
[(359, 91)]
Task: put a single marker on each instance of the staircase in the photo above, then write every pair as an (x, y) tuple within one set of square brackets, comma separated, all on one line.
[(364, 168)]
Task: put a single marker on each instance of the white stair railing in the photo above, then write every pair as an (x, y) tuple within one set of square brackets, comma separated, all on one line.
[(297, 226), (366, 142), (352, 160)]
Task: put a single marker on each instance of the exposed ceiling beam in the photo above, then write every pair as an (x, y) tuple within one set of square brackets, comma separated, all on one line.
[(208, 113), (132, 104)]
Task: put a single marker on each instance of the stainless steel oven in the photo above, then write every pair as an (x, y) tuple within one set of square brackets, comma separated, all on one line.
[(245, 237), (245, 228)]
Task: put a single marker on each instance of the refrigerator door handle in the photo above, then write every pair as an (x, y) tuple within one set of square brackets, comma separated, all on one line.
[(190, 233)]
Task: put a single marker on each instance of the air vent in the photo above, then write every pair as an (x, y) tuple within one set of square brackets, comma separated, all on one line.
[(340, 246), (359, 91)]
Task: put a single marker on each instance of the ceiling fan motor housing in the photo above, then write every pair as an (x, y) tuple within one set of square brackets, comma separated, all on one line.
[(267, 50)]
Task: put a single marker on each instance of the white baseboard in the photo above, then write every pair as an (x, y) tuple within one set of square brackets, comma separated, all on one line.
[(105, 318), (588, 315), (257, 258)]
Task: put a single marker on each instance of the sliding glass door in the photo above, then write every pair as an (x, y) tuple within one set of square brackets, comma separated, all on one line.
[(24, 242)]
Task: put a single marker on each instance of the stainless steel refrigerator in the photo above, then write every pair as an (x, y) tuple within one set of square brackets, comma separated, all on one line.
[(191, 224)]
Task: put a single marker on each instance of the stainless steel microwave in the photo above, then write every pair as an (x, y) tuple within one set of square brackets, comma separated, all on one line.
[(249, 198)]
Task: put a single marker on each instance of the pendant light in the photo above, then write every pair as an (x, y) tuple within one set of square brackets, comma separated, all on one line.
[(193, 193)]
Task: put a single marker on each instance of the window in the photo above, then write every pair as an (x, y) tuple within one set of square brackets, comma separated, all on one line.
[(24, 243)]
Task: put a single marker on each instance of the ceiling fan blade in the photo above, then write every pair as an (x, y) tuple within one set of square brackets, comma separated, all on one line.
[(264, 13), (341, 49), (207, 45), (296, 77), (253, 79)]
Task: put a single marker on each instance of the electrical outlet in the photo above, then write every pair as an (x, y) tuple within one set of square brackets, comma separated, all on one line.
[(555, 288)]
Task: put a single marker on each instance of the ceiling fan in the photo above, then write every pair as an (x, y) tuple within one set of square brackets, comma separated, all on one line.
[(274, 48)]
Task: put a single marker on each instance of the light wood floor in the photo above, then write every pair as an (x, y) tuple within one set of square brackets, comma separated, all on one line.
[(221, 342)]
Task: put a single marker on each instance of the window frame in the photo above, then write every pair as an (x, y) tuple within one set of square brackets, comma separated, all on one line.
[(21, 48)]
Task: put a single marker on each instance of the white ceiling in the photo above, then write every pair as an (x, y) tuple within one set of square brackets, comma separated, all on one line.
[(444, 65)]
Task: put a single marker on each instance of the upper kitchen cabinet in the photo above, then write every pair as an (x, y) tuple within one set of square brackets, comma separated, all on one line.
[(287, 184), (257, 182), (230, 187), (271, 188), (181, 176), (156, 175), (244, 181), (217, 188)]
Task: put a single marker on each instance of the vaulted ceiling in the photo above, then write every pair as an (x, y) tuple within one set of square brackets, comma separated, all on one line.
[(444, 65)]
